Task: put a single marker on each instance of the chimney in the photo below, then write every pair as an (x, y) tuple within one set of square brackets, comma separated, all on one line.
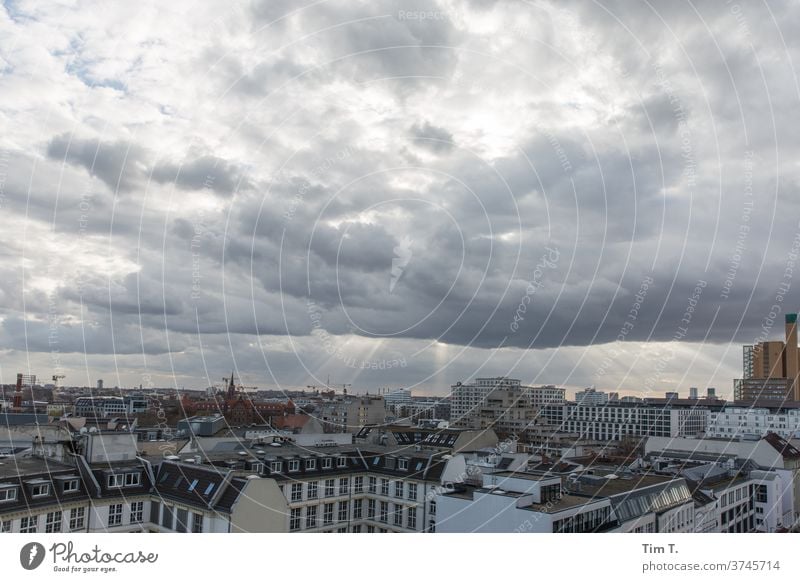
[(791, 355)]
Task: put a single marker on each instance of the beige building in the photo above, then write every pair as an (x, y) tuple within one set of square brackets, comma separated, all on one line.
[(502, 404), (771, 369)]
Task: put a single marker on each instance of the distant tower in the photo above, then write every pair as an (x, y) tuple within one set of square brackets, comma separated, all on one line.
[(18, 393), (100, 384), (791, 355), (693, 393), (231, 387)]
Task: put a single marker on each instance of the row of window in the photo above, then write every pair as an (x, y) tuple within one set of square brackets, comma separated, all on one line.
[(293, 465), (400, 516), (39, 489), (53, 521), (124, 480), (330, 488)]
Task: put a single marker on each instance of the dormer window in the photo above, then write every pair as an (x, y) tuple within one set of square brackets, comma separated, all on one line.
[(133, 479), (40, 490), (8, 494), (294, 465), (275, 466), (327, 463), (115, 481), (71, 486), (311, 464), (341, 462), (402, 464)]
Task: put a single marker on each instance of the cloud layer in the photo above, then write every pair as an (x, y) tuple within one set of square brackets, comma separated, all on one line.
[(397, 193)]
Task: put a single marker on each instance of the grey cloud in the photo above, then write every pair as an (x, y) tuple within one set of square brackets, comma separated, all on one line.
[(116, 163), (431, 137), (202, 173)]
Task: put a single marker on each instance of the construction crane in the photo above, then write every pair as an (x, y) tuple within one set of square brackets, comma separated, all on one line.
[(56, 378)]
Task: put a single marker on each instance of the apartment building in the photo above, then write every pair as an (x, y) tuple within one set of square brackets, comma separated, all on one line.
[(502, 403)]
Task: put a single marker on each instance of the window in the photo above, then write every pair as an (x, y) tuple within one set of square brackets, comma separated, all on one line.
[(398, 514), (294, 519), (133, 479), (358, 485), (402, 464), (312, 490), (115, 481), (341, 462), (8, 494), (356, 529), (432, 507), (344, 486), (327, 463), (398, 489), (114, 514), (197, 523), (137, 512), (343, 508), (412, 517), (71, 486), (77, 518), (327, 515), (275, 467), (40, 490), (357, 508), (311, 516), (329, 487), (311, 464), (384, 516), (294, 465), (412, 491), (432, 526), (370, 508), (5, 526), (373, 482), (28, 524), (385, 487), (52, 523), (297, 492), (370, 529)]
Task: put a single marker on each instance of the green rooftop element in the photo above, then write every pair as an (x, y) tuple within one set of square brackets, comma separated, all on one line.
[(791, 318)]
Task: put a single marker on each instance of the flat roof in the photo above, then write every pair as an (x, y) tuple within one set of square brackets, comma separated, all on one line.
[(21, 466)]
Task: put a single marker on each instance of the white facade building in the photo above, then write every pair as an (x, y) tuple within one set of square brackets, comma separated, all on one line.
[(753, 423)]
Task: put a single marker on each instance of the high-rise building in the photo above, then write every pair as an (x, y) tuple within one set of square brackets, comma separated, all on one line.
[(771, 369)]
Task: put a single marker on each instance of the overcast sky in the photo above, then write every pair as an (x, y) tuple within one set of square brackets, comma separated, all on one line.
[(397, 193)]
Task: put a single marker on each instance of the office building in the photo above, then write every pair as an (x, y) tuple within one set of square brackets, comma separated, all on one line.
[(771, 369)]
